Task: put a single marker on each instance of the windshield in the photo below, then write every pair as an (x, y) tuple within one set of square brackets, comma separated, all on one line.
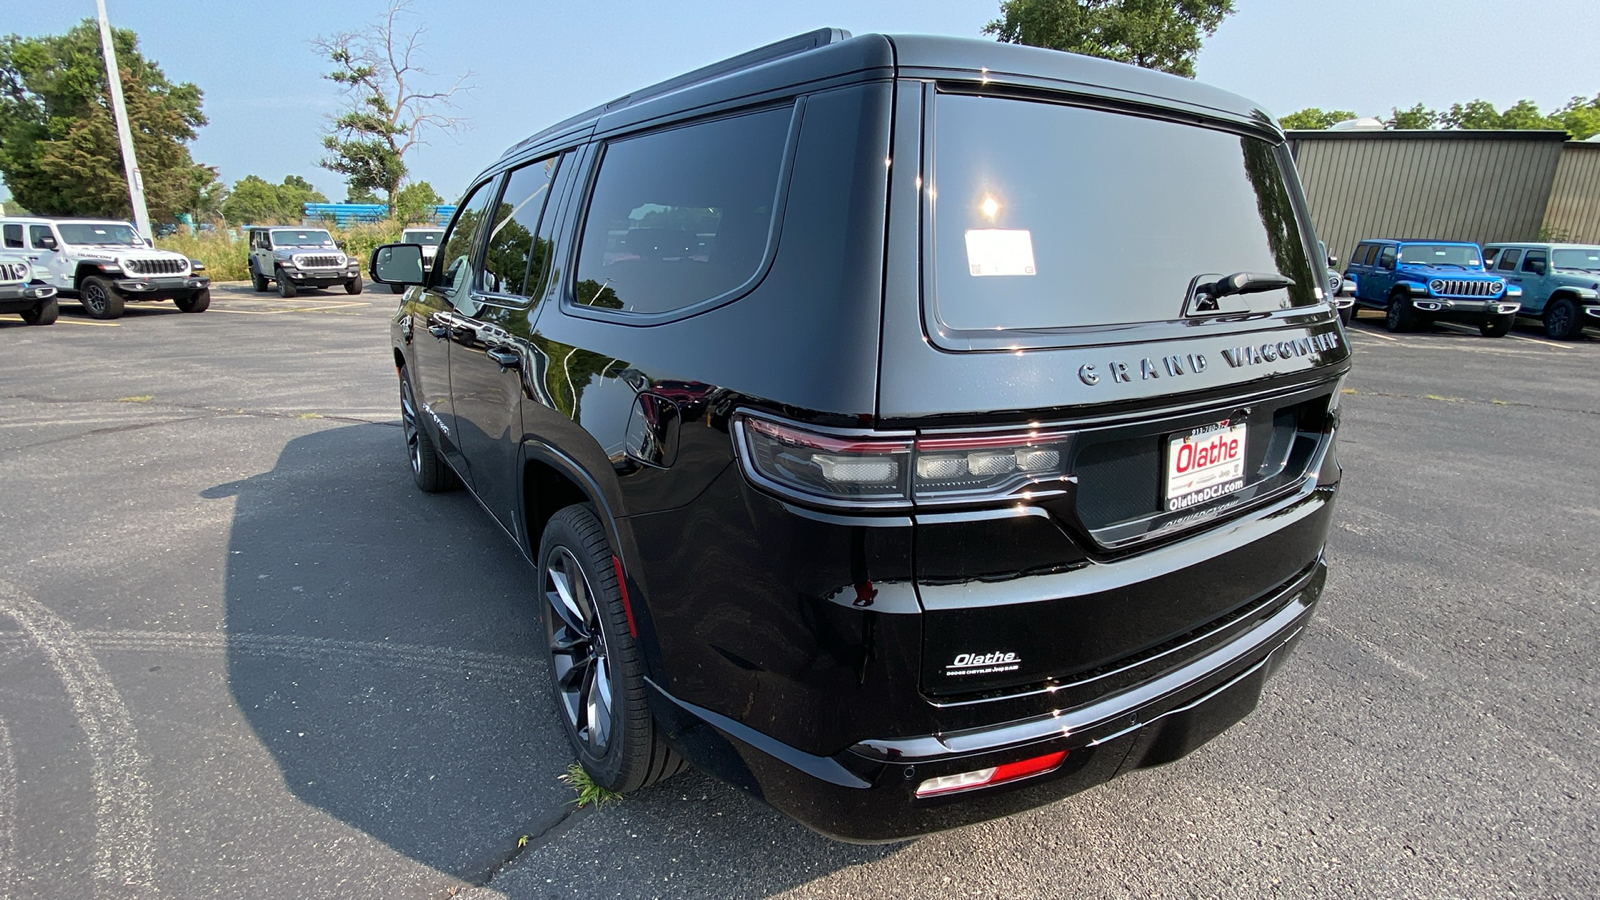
[(1460, 256), (1584, 258), (99, 233), (431, 236), (1052, 216), (310, 237)]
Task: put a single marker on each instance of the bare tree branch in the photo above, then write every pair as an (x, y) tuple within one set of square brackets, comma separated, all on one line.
[(386, 115)]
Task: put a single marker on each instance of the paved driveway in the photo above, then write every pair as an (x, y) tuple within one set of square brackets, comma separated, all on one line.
[(240, 655)]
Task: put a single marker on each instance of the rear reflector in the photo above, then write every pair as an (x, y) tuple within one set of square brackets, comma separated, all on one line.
[(966, 781)]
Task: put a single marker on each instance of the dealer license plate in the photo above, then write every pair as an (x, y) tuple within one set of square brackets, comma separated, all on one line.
[(1204, 464)]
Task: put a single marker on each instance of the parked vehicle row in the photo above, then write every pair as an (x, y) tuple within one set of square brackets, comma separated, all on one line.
[(104, 264), (1416, 282), (881, 490)]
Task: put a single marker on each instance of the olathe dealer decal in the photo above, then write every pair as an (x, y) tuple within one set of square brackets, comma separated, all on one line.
[(983, 664)]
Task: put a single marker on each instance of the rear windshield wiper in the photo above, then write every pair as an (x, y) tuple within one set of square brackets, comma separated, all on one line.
[(1207, 293)]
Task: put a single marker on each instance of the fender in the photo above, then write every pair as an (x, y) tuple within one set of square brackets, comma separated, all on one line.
[(608, 508)]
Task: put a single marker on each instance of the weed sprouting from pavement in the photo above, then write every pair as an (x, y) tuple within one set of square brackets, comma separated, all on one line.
[(583, 784)]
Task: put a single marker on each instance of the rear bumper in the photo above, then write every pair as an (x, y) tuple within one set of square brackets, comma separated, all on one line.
[(868, 792)]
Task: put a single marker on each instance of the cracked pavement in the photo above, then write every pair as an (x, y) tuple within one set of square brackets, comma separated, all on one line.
[(241, 655)]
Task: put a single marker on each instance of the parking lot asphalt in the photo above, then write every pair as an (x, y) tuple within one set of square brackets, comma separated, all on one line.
[(241, 655)]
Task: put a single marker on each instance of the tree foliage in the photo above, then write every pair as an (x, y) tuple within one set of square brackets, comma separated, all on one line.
[(256, 201), (414, 203), (59, 152), (1313, 118), (386, 115), (1580, 117), (1156, 34)]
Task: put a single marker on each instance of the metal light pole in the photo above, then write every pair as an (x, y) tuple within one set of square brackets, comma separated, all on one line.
[(119, 110)]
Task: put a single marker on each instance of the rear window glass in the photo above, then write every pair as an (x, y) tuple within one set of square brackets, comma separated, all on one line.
[(1050, 216), (682, 216)]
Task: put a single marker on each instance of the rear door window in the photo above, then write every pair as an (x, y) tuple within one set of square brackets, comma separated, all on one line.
[(682, 216), (1054, 216)]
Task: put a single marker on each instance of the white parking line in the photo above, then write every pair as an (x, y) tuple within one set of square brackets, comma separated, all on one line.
[(8, 813)]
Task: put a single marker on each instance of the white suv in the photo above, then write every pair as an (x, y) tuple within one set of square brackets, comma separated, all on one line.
[(104, 263), (23, 291)]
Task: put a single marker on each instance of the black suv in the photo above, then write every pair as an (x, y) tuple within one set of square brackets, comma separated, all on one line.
[(907, 430)]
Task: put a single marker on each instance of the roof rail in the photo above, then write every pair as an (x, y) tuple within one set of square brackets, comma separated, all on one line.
[(800, 43)]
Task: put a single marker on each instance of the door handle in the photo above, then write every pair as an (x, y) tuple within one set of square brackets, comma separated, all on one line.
[(439, 331), (506, 358)]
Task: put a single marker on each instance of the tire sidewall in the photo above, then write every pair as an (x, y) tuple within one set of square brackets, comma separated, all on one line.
[(1571, 314), (617, 766)]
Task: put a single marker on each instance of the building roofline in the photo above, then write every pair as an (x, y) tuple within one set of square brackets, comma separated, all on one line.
[(1430, 134)]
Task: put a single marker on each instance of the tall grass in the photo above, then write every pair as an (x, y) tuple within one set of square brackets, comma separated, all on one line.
[(226, 253)]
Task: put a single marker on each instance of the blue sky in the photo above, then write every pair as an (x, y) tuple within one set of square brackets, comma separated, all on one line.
[(536, 63)]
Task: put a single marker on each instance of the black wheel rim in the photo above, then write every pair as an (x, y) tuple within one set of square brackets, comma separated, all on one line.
[(408, 423), (1560, 319), (577, 644), (94, 297), (1394, 313)]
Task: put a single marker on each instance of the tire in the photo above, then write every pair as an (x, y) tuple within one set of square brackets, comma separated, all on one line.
[(397, 289), (259, 282), (428, 468), (1346, 314), (353, 286), (1562, 320), (285, 285), (1499, 326), (45, 313), (596, 671), (1399, 316), (100, 298), (197, 302)]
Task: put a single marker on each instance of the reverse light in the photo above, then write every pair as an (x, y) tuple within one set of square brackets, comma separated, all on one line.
[(881, 469), (1016, 771)]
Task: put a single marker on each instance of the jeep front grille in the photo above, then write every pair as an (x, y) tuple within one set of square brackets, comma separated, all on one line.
[(1456, 287), (308, 261), (13, 271), (156, 266)]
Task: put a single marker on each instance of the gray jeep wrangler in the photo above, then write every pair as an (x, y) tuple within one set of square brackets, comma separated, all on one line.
[(300, 258)]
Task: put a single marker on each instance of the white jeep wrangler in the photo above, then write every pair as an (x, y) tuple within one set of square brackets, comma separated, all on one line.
[(299, 258), (104, 263), (23, 291)]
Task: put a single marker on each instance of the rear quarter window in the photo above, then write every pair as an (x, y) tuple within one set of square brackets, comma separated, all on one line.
[(683, 216), (1048, 216)]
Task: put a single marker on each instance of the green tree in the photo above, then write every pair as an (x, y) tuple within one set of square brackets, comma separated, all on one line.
[(1417, 117), (1156, 34), (414, 203), (58, 142), (1313, 118), (361, 195), (256, 201), (1580, 117), (386, 115)]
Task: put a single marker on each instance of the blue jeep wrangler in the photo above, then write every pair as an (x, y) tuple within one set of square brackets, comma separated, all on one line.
[(1560, 283), (1417, 282)]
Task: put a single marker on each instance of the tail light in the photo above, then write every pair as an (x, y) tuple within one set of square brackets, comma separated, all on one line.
[(1016, 771), (878, 469)]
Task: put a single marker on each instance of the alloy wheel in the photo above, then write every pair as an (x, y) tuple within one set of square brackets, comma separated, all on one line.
[(577, 644), (1560, 319), (94, 297), (408, 423)]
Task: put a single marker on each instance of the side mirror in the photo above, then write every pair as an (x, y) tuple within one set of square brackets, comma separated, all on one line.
[(48, 242), (1333, 262), (1538, 268), (397, 264)]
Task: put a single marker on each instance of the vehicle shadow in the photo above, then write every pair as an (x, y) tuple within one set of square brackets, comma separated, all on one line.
[(381, 644)]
